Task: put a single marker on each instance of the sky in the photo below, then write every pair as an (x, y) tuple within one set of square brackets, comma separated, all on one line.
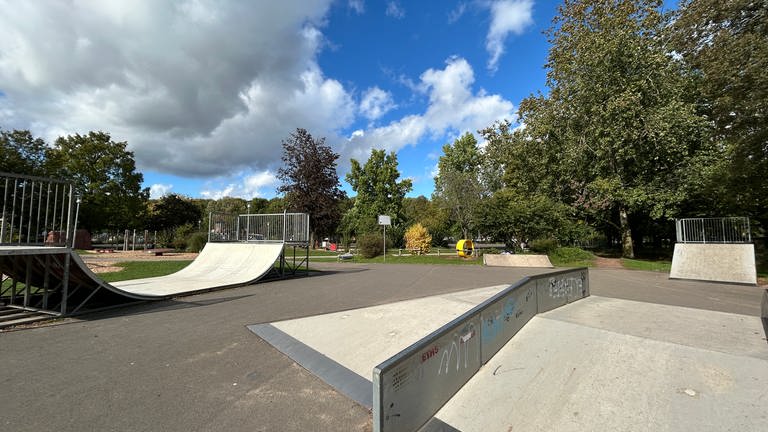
[(205, 91)]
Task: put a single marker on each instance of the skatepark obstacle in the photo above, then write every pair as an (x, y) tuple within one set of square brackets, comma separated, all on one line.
[(411, 386), (46, 278), (714, 249)]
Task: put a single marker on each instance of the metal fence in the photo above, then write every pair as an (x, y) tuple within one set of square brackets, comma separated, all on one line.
[(36, 211), (713, 230), (281, 227)]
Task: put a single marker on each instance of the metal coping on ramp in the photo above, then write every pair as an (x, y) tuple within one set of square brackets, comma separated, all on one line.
[(410, 387)]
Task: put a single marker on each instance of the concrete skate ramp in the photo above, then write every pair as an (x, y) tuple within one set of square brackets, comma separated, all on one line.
[(714, 262), (596, 364), (516, 260), (218, 265)]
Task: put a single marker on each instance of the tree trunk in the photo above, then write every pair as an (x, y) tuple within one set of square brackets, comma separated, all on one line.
[(627, 248)]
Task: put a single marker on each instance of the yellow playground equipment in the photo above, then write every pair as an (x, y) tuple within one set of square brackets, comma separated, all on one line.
[(465, 248)]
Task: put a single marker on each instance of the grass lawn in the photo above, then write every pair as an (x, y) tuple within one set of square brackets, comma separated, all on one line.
[(143, 269), (571, 257), (663, 266)]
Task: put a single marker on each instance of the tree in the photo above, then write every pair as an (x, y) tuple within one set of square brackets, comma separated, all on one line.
[(378, 193), (725, 43), (172, 211), (104, 173), (310, 181), (514, 218), (433, 217), (617, 129), (22, 153), (417, 239), (457, 185)]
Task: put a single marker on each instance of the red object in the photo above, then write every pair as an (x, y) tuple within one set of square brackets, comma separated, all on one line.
[(333, 247)]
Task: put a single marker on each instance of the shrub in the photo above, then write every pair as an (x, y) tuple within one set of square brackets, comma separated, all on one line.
[(544, 246), (571, 255), (417, 239), (196, 242), (370, 245)]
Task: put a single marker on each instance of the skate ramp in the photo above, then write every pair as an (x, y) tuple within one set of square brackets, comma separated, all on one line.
[(55, 280), (219, 265), (517, 260)]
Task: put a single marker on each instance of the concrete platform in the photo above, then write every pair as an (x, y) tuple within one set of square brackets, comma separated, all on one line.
[(734, 263), (597, 364), (517, 260)]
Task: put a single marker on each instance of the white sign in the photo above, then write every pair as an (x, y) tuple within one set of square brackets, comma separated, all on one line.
[(385, 220)]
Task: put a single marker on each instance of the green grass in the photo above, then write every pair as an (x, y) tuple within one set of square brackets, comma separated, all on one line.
[(143, 269), (419, 259), (663, 266), (571, 257)]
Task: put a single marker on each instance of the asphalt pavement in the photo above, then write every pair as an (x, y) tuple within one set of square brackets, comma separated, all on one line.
[(190, 364)]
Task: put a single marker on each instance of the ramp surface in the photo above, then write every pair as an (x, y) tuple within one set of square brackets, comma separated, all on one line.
[(597, 364), (219, 265)]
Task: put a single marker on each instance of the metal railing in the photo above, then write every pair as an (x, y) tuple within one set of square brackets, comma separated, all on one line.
[(713, 230), (36, 211), (282, 227)]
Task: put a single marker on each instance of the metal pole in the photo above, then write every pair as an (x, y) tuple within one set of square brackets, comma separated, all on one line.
[(5, 199), (77, 214), (133, 240), (210, 217), (248, 223), (385, 243), (285, 223), (21, 212)]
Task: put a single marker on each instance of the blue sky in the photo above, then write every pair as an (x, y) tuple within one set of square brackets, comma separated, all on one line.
[(204, 91)]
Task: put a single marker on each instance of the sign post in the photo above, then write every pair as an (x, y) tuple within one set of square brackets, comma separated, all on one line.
[(385, 220)]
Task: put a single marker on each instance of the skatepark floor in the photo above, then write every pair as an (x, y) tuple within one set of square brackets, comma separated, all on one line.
[(191, 364)]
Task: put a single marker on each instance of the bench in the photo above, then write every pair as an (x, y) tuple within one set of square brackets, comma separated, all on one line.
[(158, 252)]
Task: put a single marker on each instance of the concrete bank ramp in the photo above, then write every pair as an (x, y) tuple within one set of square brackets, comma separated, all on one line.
[(596, 364), (517, 260)]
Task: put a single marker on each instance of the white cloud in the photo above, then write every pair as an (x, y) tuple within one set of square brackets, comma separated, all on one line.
[(196, 88), (457, 12), (375, 103), (453, 109), (357, 5), (242, 185), (159, 190), (507, 16), (395, 10)]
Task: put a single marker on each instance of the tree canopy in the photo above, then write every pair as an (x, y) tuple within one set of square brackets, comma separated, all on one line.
[(378, 192), (310, 181)]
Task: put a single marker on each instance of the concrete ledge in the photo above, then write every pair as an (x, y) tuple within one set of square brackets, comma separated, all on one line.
[(715, 262), (515, 260)]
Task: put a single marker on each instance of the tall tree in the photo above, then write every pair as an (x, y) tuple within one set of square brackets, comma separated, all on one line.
[(457, 186), (104, 173), (378, 192), (22, 153), (617, 128), (725, 43), (172, 211), (310, 181)]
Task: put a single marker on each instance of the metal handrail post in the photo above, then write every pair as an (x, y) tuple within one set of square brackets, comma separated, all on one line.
[(210, 216)]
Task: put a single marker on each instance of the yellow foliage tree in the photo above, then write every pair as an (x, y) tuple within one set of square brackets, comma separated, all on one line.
[(418, 239)]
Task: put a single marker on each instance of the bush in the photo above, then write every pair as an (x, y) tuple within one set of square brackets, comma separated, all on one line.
[(417, 239), (370, 245), (543, 246), (571, 255), (196, 242)]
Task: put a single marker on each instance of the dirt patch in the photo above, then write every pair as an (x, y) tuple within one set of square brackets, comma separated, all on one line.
[(609, 263)]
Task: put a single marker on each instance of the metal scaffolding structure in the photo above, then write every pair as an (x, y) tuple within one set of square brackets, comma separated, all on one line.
[(291, 229)]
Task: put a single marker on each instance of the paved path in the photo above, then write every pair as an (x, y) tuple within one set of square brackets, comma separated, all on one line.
[(192, 365)]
